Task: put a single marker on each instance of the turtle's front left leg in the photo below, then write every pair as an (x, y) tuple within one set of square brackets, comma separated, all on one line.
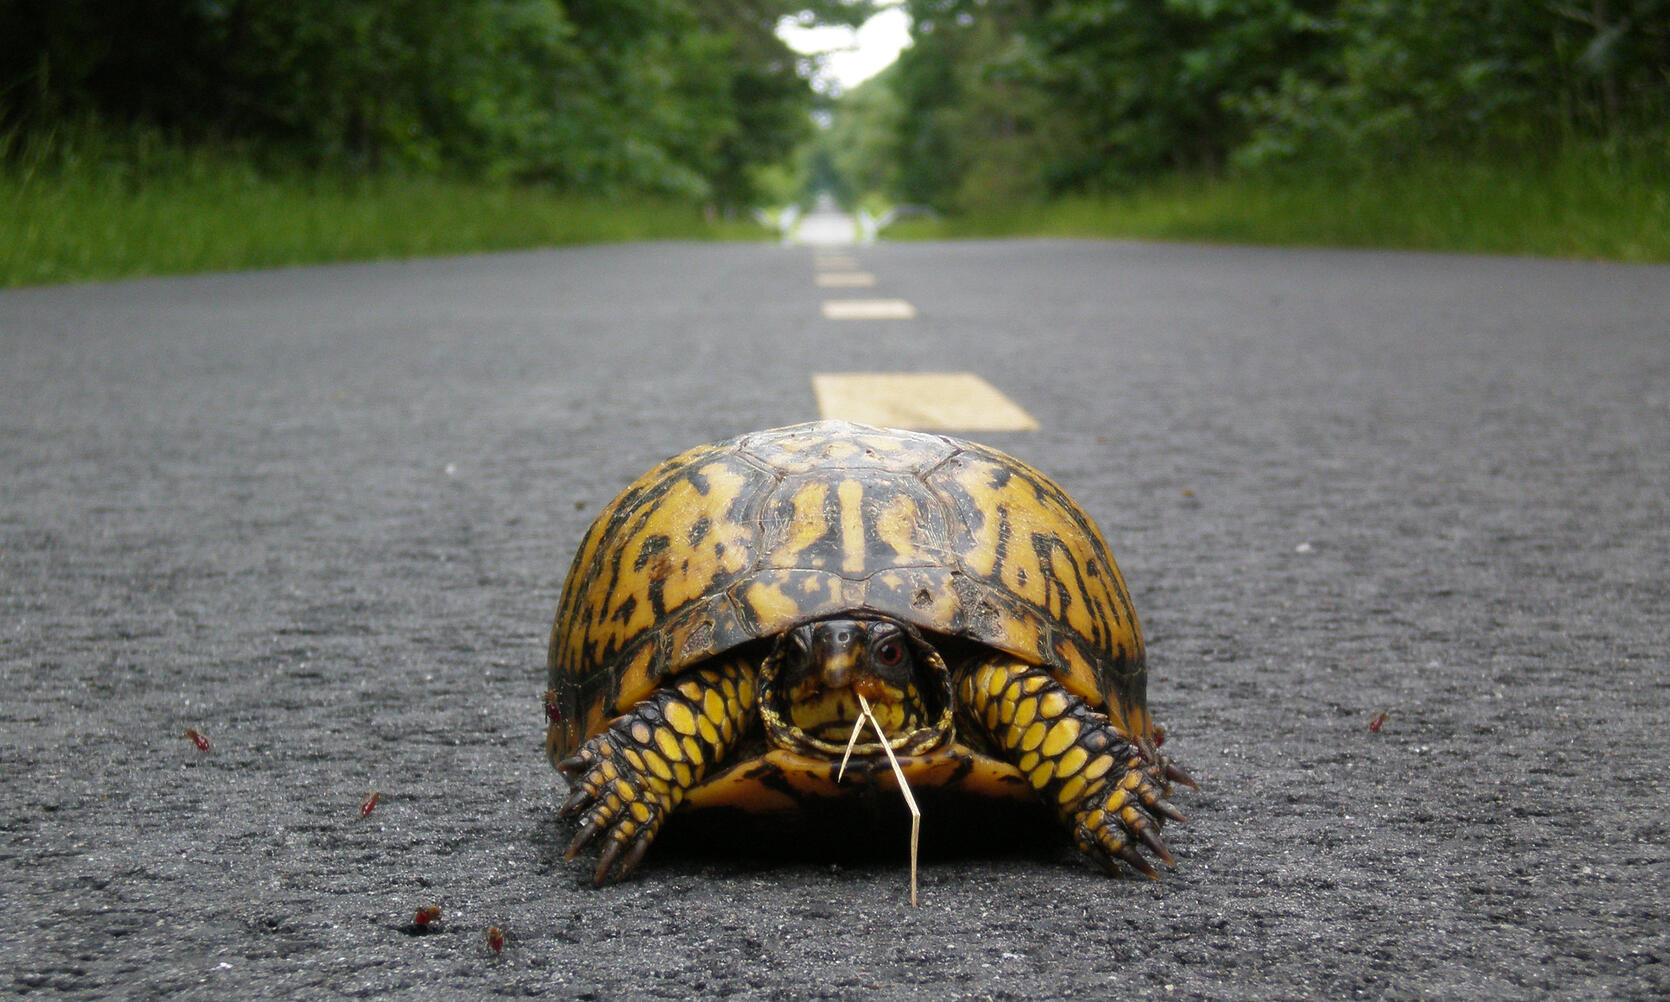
[(1107, 791), (627, 779)]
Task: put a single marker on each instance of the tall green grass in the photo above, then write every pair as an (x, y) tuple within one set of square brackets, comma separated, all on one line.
[(1580, 203), (93, 208), (90, 205)]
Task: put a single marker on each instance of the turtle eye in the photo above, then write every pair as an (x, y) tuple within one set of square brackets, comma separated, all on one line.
[(889, 653)]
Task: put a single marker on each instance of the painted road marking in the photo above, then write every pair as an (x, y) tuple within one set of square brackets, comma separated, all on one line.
[(926, 401), (834, 262), (867, 309), (827, 229), (845, 280)]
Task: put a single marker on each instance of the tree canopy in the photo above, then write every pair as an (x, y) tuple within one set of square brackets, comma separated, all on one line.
[(683, 96), (999, 99)]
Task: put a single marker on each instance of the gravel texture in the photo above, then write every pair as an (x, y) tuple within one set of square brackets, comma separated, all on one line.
[(323, 517)]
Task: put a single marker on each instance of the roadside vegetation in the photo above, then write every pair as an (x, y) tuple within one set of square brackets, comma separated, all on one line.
[(1579, 203), (100, 209), (1513, 126), (182, 136)]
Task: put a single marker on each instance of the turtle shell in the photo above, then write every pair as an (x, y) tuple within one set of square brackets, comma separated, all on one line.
[(744, 539)]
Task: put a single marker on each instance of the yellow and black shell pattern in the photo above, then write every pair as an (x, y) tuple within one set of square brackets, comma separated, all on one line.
[(747, 538)]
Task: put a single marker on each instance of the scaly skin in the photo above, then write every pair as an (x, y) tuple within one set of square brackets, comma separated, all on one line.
[(1105, 789), (1110, 793), (628, 778)]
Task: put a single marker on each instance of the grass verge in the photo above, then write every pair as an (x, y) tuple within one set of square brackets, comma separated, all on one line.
[(1579, 204), (83, 220)]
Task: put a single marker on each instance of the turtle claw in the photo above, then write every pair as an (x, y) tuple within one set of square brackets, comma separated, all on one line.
[(615, 804), (627, 838), (634, 856), (1129, 854), (575, 803), (1164, 808), (1152, 788), (583, 837), (578, 762), (634, 846), (606, 860), (1156, 845), (1160, 769), (1108, 850), (1174, 773), (1120, 819)]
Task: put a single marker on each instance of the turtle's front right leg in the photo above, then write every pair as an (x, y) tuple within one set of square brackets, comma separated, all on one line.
[(627, 779), (1109, 794)]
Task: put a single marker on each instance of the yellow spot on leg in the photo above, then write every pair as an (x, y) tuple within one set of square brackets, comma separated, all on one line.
[(679, 716), (693, 751), (1062, 735), (1072, 762), (657, 765), (1041, 776), (1053, 704), (708, 732), (996, 682)]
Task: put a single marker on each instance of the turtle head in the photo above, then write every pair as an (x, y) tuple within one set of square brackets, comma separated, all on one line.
[(821, 674)]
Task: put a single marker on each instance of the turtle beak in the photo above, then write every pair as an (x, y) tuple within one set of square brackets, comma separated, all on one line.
[(837, 651)]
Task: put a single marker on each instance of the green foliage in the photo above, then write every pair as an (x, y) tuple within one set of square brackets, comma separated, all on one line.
[(1003, 101), (1415, 75), (862, 138), (684, 97), (89, 206), (1584, 202), (1150, 84)]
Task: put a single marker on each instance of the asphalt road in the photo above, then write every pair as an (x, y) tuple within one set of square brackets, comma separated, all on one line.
[(323, 515)]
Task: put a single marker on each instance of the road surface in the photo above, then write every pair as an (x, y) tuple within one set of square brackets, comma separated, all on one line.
[(322, 516)]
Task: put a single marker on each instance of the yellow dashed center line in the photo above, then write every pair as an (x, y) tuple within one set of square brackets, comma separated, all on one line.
[(926, 401), (845, 279), (867, 309)]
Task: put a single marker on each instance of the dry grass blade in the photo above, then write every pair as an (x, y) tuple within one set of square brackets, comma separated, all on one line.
[(857, 729), (904, 788)]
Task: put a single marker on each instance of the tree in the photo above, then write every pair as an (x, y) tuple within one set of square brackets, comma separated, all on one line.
[(691, 97)]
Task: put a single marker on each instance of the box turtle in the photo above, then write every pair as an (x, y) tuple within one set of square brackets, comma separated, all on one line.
[(729, 617)]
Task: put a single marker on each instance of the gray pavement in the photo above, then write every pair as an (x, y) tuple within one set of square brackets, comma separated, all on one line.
[(323, 515)]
